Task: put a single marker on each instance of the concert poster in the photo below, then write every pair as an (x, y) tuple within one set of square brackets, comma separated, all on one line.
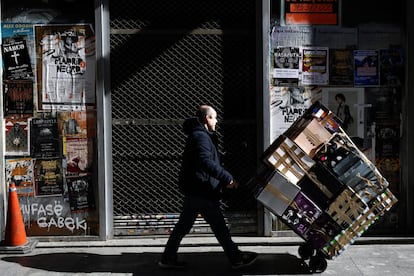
[(48, 177), (44, 137), (66, 66)]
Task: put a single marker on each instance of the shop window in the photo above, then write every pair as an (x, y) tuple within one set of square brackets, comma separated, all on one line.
[(360, 60)]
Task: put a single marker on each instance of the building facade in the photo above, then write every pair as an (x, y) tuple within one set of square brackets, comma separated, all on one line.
[(94, 94)]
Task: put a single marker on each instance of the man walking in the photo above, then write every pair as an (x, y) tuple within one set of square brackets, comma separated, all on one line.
[(201, 180)]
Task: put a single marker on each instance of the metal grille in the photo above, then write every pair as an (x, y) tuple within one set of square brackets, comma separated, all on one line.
[(167, 57)]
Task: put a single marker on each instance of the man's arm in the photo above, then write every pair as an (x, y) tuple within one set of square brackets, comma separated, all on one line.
[(206, 153)]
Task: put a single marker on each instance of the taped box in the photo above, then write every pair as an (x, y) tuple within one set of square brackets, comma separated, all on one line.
[(289, 159), (376, 208), (343, 159), (316, 126), (277, 194), (311, 137)]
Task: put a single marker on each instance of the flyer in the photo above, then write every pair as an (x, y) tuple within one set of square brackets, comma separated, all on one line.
[(78, 153), (16, 60), (18, 97), (286, 62), (48, 177), (18, 50), (20, 171), (77, 123), (341, 67), (16, 137), (44, 137), (80, 193), (315, 66), (366, 69)]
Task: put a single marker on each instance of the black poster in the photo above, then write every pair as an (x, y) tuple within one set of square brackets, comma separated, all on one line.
[(80, 192), (16, 59), (18, 97), (44, 138)]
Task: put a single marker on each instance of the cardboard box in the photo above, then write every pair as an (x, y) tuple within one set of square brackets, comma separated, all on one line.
[(311, 137), (347, 208), (322, 231), (278, 193), (321, 186), (288, 159), (351, 167), (301, 213)]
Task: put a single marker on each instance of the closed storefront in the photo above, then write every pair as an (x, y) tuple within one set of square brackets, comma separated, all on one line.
[(94, 94)]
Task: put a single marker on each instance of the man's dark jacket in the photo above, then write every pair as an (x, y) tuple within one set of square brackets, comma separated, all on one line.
[(201, 172)]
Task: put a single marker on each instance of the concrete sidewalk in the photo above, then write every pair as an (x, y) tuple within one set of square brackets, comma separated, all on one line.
[(277, 256)]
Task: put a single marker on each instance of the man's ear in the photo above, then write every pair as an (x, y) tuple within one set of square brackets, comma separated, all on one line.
[(204, 119)]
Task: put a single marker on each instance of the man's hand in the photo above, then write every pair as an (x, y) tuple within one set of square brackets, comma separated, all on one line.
[(233, 185)]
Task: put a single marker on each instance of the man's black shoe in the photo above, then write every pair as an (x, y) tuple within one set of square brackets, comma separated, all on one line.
[(247, 259), (171, 264)]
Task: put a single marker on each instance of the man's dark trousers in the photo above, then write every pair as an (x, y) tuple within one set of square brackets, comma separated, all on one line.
[(212, 214)]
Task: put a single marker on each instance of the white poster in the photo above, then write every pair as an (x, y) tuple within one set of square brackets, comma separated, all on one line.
[(287, 104), (292, 36), (286, 62), (66, 74)]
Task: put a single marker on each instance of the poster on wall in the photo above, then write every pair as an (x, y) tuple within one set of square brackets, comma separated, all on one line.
[(24, 31), (18, 50), (392, 66), (294, 36), (18, 97), (386, 104), (366, 69), (16, 133), (39, 169), (341, 67), (77, 123), (355, 99), (65, 66), (20, 171), (286, 63), (287, 104), (80, 193), (391, 169), (16, 60), (315, 66), (78, 153), (44, 137), (48, 176)]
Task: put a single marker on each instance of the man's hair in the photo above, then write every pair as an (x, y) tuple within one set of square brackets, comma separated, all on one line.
[(203, 111), (340, 96)]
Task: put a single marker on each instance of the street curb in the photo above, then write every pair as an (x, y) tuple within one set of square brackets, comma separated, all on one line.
[(210, 241)]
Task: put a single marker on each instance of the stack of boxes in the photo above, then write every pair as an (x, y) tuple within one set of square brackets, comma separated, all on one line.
[(320, 184)]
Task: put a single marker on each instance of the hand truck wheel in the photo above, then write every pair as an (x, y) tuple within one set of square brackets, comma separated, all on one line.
[(317, 264), (306, 251)]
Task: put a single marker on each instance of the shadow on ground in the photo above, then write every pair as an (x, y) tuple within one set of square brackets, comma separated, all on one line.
[(145, 264)]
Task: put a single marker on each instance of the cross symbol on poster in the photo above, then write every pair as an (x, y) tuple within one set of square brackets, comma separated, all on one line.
[(15, 55)]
